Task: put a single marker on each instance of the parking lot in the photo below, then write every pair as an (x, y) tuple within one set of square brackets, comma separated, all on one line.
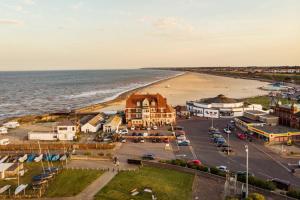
[(262, 162)]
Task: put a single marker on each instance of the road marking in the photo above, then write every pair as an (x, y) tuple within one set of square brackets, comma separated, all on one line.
[(193, 152), (279, 163)]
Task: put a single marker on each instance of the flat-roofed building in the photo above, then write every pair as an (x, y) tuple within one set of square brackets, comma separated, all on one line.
[(149, 110)]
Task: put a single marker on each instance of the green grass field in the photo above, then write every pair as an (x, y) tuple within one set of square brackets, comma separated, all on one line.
[(166, 184), (71, 182), (263, 100)]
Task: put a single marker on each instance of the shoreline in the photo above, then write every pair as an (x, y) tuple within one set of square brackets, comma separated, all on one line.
[(176, 88), (122, 96), (97, 106)]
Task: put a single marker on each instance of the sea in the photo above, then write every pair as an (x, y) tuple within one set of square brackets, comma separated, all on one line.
[(38, 92)]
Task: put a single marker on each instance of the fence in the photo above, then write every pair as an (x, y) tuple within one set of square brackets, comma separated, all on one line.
[(54, 146)]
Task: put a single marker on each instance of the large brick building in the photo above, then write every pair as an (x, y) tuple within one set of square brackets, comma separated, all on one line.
[(149, 110), (289, 114)]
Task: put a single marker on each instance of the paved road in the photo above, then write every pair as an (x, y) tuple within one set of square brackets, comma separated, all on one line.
[(262, 162)]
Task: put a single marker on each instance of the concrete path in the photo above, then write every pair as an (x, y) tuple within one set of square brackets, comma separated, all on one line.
[(90, 191)]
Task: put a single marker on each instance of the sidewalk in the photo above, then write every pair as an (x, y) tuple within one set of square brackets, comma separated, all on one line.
[(90, 191)]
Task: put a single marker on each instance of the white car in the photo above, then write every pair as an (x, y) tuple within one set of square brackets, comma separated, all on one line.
[(226, 130), (123, 140), (123, 131), (222, 168), (154, 127), (148, 129), (145, 134), (142, 141), (181, 137), (132, 128)]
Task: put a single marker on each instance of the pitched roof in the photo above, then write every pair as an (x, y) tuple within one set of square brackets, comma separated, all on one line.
[(159, 100), (113, 120), (96, 120)]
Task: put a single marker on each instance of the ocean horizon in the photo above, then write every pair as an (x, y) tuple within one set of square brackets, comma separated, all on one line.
[(38, 92)]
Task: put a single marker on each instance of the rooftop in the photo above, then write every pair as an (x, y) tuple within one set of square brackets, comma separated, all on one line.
[(219, 99), (277, 129), (65, 123), (96, 120), (256, 112), (248, 121)]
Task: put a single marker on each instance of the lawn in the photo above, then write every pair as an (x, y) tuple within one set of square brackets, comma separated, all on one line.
[(166, 184), (264, 101), (70, 182)]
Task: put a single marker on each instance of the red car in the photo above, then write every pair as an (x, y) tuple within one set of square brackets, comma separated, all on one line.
[(241, 136), (195, 162), (166, 140)]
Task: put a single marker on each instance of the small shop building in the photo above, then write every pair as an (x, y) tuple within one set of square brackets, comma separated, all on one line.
[(112, 124)]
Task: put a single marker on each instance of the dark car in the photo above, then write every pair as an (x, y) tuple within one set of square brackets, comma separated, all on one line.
[(222, 145), (227, 150), (148, 156), (281, 184), (136, 140), (134, 134), (243, 173), (157, 134), (140, 134)]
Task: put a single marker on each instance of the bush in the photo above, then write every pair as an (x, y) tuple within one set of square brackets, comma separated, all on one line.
[(258, 182), (294, 194), (87, 153), (216, 171), (255, 196), (179, 162), (202, 168)]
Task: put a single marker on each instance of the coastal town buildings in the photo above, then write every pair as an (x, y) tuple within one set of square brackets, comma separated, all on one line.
[(3, 130), (148, 110), (265, 126), (112, 124), (219, 107), (65, 131), (93, 124), (289, 114)]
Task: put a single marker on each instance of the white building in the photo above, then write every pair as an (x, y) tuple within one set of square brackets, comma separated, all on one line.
[(219, 107), (93, 125), (66, 130), (112, 124), (11, 124), (3, 130)]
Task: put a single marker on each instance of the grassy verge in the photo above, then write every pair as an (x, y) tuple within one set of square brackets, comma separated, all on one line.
[(165, 184), (263, 100), (71, 182)]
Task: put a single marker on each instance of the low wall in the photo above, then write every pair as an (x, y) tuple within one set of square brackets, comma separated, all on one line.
[(54, 146), (269, 194)]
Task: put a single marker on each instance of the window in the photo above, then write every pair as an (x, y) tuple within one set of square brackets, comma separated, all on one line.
[(153, 103), (138, 103), (73, 128), (62, 128)]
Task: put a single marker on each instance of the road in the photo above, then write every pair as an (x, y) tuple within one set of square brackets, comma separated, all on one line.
[(262, 162)]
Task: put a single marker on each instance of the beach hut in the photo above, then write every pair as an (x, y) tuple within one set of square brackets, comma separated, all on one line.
[(11, 124)]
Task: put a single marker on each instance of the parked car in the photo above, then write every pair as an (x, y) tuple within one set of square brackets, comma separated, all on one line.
[(222, 145), (157, 134), (132, 128), (195, 162), (222, 168), (226, 130), (145, 134), (156, 140), (183, 143), (182, 137), (243, 173), (219, 140), (241, 136), (281, 184), (123, 131), (227, 150), (134, 134), (148, 156), (154, 127), (148, 129), (140, 134), (142, 140), (123, 140), (136, 140), (180, 128), (166, 140)]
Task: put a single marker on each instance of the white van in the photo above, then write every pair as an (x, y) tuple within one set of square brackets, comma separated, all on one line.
[(11, 124)]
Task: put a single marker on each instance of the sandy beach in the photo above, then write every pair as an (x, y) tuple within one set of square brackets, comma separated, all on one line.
[(193, 86)]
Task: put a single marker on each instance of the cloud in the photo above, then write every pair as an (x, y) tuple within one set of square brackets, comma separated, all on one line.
[(77, 5), (28, 2), (172, 23), (10, 22)]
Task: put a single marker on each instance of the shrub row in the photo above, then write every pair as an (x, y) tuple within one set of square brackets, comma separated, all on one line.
[(294, 193), (213, 170)]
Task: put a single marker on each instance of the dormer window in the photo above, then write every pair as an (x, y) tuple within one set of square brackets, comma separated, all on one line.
[(153, 103), (146, 102), (138, 103)]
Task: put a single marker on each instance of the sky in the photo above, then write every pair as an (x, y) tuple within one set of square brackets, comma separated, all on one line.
[(115, 34)]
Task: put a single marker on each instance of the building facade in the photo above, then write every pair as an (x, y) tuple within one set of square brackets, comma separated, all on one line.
[(112, 124), (289, 114), (219, 107), (93, 125), (149, 110)]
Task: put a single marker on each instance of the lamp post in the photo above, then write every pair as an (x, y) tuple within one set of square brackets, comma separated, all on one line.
[(247, 172)]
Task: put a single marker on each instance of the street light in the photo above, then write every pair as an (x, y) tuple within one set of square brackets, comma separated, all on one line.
[(247, 172)]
